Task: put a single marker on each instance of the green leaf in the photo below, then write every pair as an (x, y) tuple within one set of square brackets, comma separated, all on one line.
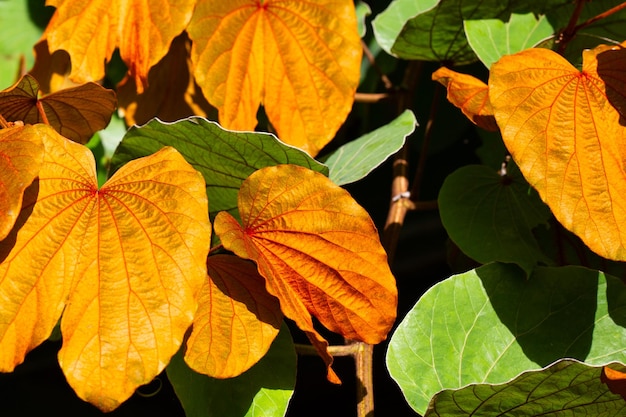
[(490, 324), (362, 11), (567, 387), (492, 38), (22, 24), (491, 217), (225, 158), (388, 24), (354, 160), (264, 390)]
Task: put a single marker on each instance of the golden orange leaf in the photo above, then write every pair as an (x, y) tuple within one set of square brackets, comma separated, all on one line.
[(172, 92), (318, 251), (236, 322), (21, 154), (300, 59), (568, 138), (90, 30), (469, 94), (51, 70), (123, 263), (76, 113)]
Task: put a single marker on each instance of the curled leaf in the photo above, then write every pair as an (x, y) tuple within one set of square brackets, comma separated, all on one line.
[(318, 251), (76, 113)]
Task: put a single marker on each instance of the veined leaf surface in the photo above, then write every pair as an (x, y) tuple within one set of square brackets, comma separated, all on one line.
[(565, 129), (319, 252), (299, 59), (126, 262)]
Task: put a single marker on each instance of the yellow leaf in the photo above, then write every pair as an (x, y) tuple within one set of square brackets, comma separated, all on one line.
[(236, 322), (76, 113), (318, 251), (90, 30), (125, 263), (21, 154), (469, 94), (568, 139), (300, 59)]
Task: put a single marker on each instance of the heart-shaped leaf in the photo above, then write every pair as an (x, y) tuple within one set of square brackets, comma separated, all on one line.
[(21, 155), (318, 250), (300, 59), (565, 129), (91, 30), (76, 113), (124, 263), (236, 321), (469, 94)]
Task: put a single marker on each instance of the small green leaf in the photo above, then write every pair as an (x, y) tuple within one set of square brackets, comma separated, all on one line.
[(262, 391), (491, 217), (567, 387), (225, 158), (362, 11), (490, 324), (356, 159), (492, 38)]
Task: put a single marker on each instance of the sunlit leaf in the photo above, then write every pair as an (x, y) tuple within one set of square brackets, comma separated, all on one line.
[(125, 264), (492, 38), (567, 387), (76, 113), (469, 94), (354, 160), (236, 321), (224, 157), (262, 391), (91, 30), (318, 250), (172, 92), (299, 59), (565, 130), (21, 155), (490, 324)]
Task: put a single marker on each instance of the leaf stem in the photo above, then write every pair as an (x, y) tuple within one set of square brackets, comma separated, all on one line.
[(3, 122), (568, 33), (42, 112), (600, 17), (371, 97), (372, 60)]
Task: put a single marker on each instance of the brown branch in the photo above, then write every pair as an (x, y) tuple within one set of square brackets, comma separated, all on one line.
[(371, 97), (372, 60), (570, 30), (599, 17)]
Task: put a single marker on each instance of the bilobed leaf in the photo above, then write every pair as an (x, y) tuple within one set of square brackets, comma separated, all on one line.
[(354, 160), (262, 391), (566, 387), (300, 59), (490, 324), (491, 217), (236, 321), (564, 128), (492, 38), (225, 158), (318, 251), (124, 263), (469, 94), (21, 155), (91, 30), (76, 113)]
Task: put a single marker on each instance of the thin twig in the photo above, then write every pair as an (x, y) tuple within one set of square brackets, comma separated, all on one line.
[(568, 33), (599, 17), (371, 97), (372, 60)]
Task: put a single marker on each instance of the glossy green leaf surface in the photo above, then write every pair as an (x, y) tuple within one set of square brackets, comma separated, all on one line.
[(225, 158), (490, 324), (565, 388), (491, 217), (262, 391), (492, 38), (354, 160)]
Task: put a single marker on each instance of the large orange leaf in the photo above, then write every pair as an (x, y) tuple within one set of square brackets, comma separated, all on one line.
[(568, 139), (90, 30), (300, 59), (318, 250), (126, 262), (469, 94), (21, 154), (236, 322), (76, 113)]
